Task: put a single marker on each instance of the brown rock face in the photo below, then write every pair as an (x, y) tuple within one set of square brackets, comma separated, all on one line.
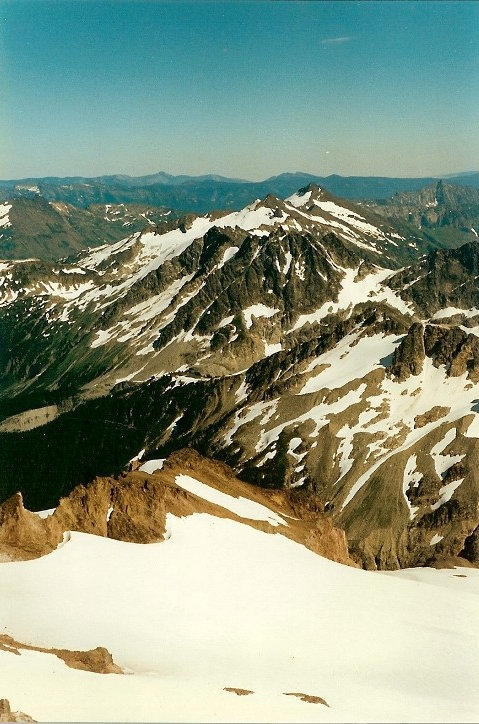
[(98, 660), (308, 698), (133, 508), (435, 413), (7, 715), (24, 534), (471, 547), (408, 358), (454, 348)]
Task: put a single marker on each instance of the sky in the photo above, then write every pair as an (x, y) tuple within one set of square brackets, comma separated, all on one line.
[(243, 89)]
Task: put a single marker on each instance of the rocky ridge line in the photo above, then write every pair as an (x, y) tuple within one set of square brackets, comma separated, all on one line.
[(133, 508)]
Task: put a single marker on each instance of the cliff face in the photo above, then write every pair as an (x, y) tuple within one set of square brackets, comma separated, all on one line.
[(443, 214)]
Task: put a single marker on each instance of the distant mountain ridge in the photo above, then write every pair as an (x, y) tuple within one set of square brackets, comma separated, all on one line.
[(441, 211), (123, 179), (200, 194), (48, 230)]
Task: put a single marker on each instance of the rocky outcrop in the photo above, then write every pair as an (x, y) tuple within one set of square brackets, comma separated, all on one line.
[(454, 348), (470, 552), (7, 715), (440, 204), (408, 358), (23, 534), (435, 413), (98, 661), (444, 278), (308, 698), (450, 346)]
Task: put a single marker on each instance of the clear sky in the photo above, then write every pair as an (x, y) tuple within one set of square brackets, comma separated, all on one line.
[(244, 89)]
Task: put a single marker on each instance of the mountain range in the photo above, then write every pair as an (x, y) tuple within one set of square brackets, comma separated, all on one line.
[(309, 343), (440, 215), (34, 227), (201, 194)]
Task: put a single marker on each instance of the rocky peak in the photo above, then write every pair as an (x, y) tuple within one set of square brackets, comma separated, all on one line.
[(442, 214), (448, 346), (445, 278), (311, 188), (270, 202)]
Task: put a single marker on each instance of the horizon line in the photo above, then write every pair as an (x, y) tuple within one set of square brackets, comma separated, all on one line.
[(236, 179)]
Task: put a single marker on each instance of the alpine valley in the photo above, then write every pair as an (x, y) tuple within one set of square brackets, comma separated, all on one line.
[(270, 400)]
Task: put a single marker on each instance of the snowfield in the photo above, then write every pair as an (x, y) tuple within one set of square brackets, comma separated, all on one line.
[(221, 604)]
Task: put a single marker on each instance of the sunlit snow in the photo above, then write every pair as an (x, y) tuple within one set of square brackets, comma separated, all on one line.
[(257, 310), (220, 604), (243, 507)]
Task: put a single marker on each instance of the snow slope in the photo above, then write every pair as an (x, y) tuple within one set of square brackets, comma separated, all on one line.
[(220, 604)]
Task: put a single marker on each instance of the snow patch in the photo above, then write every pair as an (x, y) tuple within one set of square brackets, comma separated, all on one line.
[(298, 199), (442, 462), (445, 493), (351, 359), (228, 254), (151, 466), (452, 311), (270, 349), (257, 310), (45, 513), (243, 507), (102, 337)]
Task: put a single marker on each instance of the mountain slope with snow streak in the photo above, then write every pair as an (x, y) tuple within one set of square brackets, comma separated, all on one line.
[(32, 227)]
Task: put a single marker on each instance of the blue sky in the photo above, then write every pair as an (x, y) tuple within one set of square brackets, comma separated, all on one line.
[(245, 89)]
